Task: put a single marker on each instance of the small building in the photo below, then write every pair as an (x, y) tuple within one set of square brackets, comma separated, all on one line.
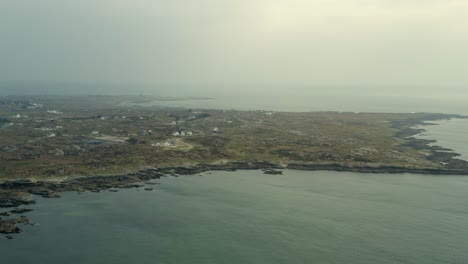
[(168, 144), (59, 152), (55, 112), (189, 133), (157, 144), (216, 129), (176, 133), (35, 106), (182, 133), (51, 135)]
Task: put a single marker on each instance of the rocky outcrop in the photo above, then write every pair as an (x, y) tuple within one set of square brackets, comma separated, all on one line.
[(369, 169), (9, 226), (13, 198), (273, 172)]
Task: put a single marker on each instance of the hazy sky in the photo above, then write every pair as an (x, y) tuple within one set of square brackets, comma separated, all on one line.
[(238, 43)]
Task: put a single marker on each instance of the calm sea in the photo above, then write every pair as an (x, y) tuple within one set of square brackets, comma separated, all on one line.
[(249, 217), (306, 103)]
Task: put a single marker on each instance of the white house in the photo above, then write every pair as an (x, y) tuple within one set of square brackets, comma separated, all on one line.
[(157, 144), (176, 133), (216, 129), (168, 144), (189, 133), (182, 133), (55, 112), (35, 106)]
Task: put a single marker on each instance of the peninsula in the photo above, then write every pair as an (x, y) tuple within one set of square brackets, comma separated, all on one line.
[(52, 144)]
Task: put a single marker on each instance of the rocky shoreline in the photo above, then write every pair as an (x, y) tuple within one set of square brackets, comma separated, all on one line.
[(444, 156), (14, 194)]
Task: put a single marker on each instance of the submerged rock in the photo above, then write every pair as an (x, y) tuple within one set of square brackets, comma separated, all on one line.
[(273, 172), (21, 211)]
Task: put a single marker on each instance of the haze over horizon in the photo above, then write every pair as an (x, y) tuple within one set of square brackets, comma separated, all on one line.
[(416, 48)]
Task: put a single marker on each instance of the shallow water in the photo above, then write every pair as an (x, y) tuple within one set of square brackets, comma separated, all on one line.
[(250, 217), (451, 134)]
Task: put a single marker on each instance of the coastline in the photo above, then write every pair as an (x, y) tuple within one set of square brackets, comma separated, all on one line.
[(15, 193)]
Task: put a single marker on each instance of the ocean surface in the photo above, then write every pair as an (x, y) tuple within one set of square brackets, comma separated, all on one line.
[(250, 217), (291, 99), (290, 103)]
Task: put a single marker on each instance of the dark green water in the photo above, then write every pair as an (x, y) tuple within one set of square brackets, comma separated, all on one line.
[(249, 217)]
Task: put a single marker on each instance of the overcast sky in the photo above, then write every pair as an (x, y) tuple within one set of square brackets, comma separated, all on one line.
[(239, 43)]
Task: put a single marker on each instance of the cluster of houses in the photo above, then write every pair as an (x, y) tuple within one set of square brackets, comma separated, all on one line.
[(164, 144), (55, 112), (49, 128), (20, 116), (182, 133), (35, 106), (113, 117)]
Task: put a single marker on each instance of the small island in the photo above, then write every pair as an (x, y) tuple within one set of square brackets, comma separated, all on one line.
[(53, 144)]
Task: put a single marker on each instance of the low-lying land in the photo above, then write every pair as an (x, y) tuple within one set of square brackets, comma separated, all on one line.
[(91, 143)]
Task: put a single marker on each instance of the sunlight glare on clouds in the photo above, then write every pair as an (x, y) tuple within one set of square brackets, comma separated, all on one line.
[(283, 16), (280, 16)]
